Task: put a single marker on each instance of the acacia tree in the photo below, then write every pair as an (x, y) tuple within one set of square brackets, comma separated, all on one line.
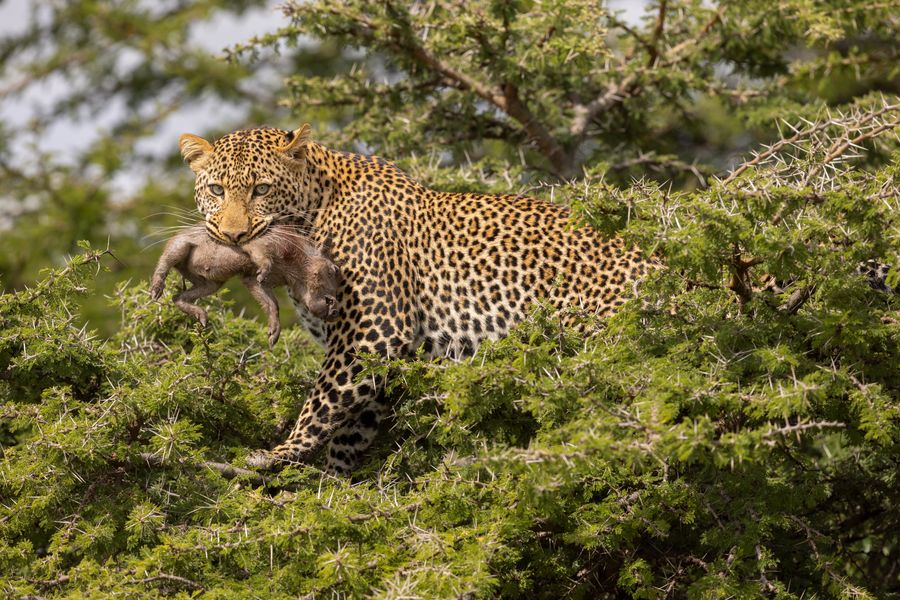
[(576, 85), (716, 438)]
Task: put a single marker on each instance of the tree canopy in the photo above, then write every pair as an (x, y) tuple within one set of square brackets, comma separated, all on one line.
[(732, 432)]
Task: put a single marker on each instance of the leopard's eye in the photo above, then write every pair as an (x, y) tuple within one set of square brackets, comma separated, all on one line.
[(216, 190), (261, 189)]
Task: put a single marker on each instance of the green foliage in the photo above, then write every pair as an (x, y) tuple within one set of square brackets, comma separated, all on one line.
[(560, 85), (699, 443), (490, 96), (732, 432)]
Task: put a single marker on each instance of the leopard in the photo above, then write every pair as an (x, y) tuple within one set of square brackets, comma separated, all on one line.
[(423, 271)]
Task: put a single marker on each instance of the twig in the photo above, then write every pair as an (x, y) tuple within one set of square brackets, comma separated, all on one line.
[(49, 583), (630, 31), (48, 284), (227, 471), (660, 163), (166, 577), (805, 133), (299, 530), (839, 147), (695, 39), (616, 93), (657, 34), (384, 513), (798, 427), (763, 580)]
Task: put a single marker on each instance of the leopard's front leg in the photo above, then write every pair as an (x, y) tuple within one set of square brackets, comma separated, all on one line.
[(338, 398), (376, 318)]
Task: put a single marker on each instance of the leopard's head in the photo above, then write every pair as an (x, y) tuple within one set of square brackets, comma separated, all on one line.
[(247, 179)]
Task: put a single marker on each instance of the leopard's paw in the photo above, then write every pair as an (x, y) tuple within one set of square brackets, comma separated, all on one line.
[(261, 460)]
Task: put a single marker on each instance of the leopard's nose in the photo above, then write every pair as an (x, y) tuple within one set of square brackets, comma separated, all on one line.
[(235, 236)]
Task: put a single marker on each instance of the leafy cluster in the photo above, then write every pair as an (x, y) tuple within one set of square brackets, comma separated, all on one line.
[(710, 440), (571, 83)]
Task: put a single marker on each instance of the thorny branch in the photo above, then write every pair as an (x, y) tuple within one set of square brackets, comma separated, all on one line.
[(661, 164), (798, 299), (226, 470), (167, 577), (65, 579), (853, 122), (813, 148)]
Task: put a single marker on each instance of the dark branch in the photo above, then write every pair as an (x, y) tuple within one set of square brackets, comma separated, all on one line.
[(657, 34), (798, 299)]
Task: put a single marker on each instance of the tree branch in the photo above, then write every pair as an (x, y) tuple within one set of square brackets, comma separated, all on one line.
[(834, 151), (505, 98), (740, 276), (657, 34), (618, 92), (798, 299), (166, 577), (561, 161), (840, 147), (615, 93), (227, 471), (48, 583), (659, 163)]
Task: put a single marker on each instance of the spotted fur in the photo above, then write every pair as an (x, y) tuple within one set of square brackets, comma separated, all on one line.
[(421, 268)]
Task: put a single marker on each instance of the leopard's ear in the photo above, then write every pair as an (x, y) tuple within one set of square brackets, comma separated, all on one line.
[(297, 141), (195, 150)]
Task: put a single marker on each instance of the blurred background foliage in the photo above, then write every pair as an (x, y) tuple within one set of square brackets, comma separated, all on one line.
[(485, 96)]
